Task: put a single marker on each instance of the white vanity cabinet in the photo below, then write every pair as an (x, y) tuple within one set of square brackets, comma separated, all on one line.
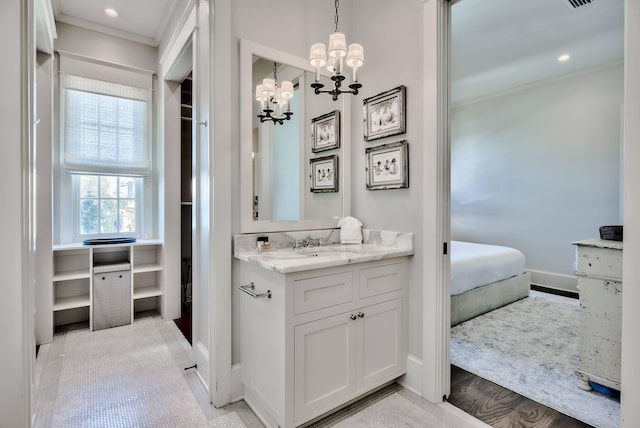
[(325, 337)]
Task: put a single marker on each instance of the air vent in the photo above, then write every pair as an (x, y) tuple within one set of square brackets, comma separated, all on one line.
[(574, 4)]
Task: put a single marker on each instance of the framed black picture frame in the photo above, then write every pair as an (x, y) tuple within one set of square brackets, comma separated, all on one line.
[(387, 166), (325, 132), (385, 114), (324, 174)]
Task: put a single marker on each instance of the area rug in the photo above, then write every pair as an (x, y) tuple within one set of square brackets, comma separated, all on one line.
[(532, 347), (119, 377)]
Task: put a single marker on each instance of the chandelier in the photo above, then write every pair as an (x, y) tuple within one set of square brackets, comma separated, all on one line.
[(339, 56), (274, 100)]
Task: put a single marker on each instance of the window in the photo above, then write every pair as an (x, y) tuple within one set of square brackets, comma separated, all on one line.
[(105, 149), (107, 204)]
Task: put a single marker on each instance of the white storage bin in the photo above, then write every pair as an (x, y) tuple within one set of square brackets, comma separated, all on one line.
[(111, 295)]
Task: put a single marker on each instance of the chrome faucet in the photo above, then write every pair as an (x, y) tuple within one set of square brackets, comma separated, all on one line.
[(308, 242)]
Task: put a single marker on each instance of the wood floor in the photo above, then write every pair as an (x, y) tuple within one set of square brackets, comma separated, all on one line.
[(500, 407)]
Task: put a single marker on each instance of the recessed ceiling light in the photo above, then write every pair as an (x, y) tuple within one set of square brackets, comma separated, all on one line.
[(111, 12), (563, 58)]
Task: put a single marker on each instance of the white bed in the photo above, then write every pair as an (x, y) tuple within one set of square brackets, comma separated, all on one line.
[(485, 277)]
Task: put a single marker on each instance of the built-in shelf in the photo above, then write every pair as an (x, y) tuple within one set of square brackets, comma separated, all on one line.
[(71, 275), (75, 264), (186, 203), (144, 292), (149, 267), (71, 302)]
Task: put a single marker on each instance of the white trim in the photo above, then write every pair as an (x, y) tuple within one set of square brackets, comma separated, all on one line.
[(237, 392), (553, 280), (202, 360), (412, 380), (436, 187), (178, 39), (164, 21), (45, 26), (102, 62), (215, 21), (630, 394)]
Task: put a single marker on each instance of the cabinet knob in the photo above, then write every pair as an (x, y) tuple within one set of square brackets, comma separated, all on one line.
[(353, 317), (360, 314)]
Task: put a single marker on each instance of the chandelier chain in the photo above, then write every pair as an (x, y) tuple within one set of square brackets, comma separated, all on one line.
[(275, 72), (336, 20)]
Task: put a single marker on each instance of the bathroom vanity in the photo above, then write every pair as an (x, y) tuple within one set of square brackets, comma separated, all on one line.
[(320, 326)]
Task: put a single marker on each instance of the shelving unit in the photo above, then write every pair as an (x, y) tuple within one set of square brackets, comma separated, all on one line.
[(73, 266)]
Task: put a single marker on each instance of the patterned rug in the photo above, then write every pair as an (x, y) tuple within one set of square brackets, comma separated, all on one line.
[(532, 347)]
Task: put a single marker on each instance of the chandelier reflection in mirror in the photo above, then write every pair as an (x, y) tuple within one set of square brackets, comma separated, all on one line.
[(339, 56), (274, 101)]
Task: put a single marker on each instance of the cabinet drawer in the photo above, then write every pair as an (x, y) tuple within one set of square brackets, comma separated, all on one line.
[(600, 262), (323, 291), (379, 280)]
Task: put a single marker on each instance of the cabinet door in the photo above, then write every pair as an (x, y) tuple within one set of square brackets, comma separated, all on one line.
[(324, 364), (380, 347)]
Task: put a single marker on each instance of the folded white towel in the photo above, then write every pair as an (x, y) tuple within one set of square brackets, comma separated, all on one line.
[(350, 235)]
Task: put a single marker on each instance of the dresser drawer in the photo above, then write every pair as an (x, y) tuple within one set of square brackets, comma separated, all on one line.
[(311, 294), (380, 279), (599, 262)]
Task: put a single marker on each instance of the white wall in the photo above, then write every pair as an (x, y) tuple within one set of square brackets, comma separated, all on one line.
[(45, 74), (630, 395), (392, 58), (14, 364), (539, 168), (105, 47), (391, 33)]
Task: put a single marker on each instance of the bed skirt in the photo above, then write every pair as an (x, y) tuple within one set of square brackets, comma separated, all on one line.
[(483, 299)]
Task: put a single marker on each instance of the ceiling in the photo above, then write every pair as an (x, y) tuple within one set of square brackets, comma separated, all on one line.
[(142, 21), (497, 45)]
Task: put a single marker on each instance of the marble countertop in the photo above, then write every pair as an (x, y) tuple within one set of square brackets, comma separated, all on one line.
[(282, 258), (600, 243)]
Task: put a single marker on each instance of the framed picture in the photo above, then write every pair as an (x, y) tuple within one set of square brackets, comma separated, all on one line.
[(324, 174), (387, 166), (325, 132), (384, 114)]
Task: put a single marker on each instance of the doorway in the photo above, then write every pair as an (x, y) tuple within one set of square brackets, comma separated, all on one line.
[(515, 165), (184, 323)]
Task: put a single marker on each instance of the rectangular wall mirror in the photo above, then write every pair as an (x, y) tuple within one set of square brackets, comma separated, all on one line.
[(278, 190)]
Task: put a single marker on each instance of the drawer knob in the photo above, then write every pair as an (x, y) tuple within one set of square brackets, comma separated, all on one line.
[(360, 314), (353, 317)]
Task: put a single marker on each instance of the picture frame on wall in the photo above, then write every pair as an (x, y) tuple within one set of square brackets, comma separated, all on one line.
[(324, 174), (387, 166), (325, 132), (384, 114)]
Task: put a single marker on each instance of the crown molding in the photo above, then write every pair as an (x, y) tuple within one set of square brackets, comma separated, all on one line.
[(106, 30)]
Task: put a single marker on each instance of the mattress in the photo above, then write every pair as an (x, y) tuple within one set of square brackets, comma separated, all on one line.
[(475, 265)]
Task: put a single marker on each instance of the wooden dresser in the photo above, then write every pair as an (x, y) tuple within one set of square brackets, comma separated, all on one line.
[(599, 272)]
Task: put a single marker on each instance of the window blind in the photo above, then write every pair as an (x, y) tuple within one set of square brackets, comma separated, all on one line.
[(106, 127)]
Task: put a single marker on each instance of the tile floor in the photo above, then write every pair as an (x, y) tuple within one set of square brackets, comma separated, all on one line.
[(134, 376)]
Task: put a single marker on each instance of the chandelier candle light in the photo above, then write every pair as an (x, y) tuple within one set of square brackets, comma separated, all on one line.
[(339, 56), (274, 100)]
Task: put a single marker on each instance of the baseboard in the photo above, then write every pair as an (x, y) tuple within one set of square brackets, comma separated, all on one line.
[(554, 281), (237, 392), (201, 356), (413, 379)]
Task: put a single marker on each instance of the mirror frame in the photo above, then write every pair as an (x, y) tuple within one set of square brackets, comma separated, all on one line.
[(247, 223)]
